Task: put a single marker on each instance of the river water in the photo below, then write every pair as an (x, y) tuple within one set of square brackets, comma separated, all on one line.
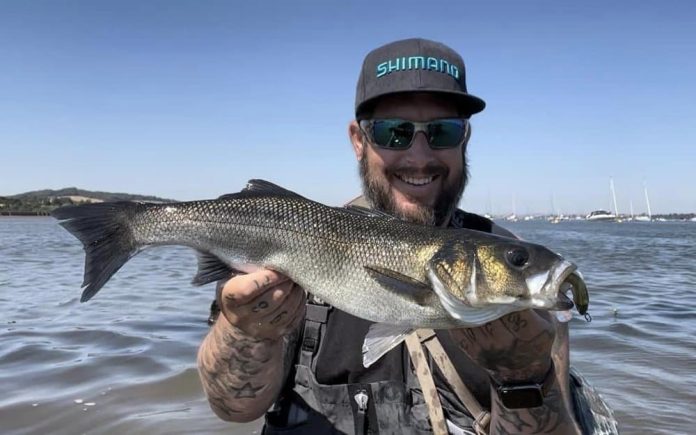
[(125, 361)]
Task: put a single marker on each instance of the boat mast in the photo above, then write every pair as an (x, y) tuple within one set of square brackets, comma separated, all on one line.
[(647, 201), (613, 195)]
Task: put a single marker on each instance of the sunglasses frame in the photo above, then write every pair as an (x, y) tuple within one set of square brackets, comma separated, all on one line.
[(366, 125)]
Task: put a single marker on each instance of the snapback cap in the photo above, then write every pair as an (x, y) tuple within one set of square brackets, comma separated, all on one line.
[(414, 65)]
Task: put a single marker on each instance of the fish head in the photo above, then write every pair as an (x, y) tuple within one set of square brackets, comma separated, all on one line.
[(505, 271)]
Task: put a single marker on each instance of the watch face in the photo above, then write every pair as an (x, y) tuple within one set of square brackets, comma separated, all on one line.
[(521, 397)]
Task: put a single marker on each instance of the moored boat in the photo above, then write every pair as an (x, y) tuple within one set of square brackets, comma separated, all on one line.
[(600, 215)]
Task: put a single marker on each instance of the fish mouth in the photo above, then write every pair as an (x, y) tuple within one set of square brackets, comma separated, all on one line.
[(564, 275), (567, 277), (563, 303)]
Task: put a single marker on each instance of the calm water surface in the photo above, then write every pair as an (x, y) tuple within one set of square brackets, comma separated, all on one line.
[(128, 356)]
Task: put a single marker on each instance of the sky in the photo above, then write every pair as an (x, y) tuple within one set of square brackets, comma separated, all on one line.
[(190, 99)]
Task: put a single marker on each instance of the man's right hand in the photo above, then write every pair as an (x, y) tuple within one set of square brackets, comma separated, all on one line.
[(263, 304)]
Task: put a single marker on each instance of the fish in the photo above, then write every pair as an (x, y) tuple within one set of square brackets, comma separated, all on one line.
[(400, 275)]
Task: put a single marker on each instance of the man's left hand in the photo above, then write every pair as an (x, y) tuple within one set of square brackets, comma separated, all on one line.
[(513, 349)]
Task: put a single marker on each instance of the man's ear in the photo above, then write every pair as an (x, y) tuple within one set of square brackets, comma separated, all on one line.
[(356, 138)]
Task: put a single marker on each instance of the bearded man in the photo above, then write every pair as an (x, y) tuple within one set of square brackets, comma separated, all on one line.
[(273, 352)]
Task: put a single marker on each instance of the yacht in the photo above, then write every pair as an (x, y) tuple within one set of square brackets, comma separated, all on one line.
[(600, 215), (603, 215)]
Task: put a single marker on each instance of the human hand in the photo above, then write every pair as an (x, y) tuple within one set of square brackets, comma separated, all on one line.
[(514, 348), (263, 304)]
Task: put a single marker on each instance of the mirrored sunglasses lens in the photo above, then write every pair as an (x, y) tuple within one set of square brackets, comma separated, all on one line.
[(446, 133), (392, 133)]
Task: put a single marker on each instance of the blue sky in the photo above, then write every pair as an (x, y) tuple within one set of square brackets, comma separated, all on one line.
[(189, 99)]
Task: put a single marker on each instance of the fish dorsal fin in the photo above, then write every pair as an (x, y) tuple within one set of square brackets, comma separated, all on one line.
[(263, 186), (229, 196), (402, 285), (359, 210), (257, 187), (211, 268)]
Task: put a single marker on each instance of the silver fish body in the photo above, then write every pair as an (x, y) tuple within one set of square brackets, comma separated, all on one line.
[(369, 264)]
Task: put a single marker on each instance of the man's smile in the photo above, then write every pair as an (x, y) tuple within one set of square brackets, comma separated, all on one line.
[(416, 189), (416, 181)]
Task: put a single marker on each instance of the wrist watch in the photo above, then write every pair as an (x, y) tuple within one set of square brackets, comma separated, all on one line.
[(525, 395)]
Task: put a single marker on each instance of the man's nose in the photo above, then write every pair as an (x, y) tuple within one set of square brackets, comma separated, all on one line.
[(420, 152)]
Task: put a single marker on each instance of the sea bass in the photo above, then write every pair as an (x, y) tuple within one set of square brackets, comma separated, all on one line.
[(401, 275)]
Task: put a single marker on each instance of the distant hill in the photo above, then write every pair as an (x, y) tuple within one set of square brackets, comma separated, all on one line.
[(42, 202), (74, 191)]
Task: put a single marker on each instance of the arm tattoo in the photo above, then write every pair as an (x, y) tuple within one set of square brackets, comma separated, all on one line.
[(279, 317), (262, 305), (240, 374), (514, 322), (518, 359)]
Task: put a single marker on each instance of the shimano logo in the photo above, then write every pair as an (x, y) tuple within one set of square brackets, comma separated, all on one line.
[(417, 62)]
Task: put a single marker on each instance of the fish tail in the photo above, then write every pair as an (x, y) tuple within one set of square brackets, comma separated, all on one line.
[(106, 236)]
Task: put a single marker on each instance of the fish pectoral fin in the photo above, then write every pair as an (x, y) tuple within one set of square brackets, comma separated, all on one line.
[(380, 339), (366, 212), (401, 284), (211, 268)]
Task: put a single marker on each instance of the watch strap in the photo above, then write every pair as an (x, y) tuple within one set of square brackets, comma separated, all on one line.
[(525, 395)]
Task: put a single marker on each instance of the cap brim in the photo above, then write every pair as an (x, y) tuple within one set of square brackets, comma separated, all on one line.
[(469, 104)]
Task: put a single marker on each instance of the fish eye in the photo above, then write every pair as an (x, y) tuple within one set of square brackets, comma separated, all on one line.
[(517, 257)]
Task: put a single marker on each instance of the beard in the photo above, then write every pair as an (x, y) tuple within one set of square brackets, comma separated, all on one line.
[(376, 190)]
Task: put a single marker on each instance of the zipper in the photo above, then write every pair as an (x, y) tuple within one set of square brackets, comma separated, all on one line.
[(361, 398)]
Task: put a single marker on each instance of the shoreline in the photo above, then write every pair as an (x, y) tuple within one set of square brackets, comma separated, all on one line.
[(25, 214)]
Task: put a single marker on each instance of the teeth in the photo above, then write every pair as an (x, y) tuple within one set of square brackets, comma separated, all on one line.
[(416, 181)]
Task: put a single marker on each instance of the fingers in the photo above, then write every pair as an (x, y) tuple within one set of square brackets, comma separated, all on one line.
[(287, 313), (264, 304), (242, 289)]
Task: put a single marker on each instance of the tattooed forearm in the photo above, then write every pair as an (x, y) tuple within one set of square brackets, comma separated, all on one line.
[(517, 360), (551, 418), (240, 375), (518, 349)]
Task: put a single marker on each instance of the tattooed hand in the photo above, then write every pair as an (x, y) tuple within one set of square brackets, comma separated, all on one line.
[(247, 355), (514, 348), (263, 304)]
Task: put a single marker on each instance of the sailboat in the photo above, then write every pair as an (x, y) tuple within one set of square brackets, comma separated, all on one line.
[(556, 215), (513, 216), (643, 218)]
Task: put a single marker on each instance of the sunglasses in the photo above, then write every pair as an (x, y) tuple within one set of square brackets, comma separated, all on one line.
[(398, 134)]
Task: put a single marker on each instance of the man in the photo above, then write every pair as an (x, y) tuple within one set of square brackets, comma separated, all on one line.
[(272, 349)]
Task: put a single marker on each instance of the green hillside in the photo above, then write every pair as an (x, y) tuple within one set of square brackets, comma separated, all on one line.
[(42, 202)]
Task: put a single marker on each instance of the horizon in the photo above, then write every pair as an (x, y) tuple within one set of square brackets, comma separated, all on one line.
[(501, 215), (188, 101)]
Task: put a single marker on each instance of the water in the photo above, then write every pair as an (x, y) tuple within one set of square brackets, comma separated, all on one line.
[(129, 354)]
